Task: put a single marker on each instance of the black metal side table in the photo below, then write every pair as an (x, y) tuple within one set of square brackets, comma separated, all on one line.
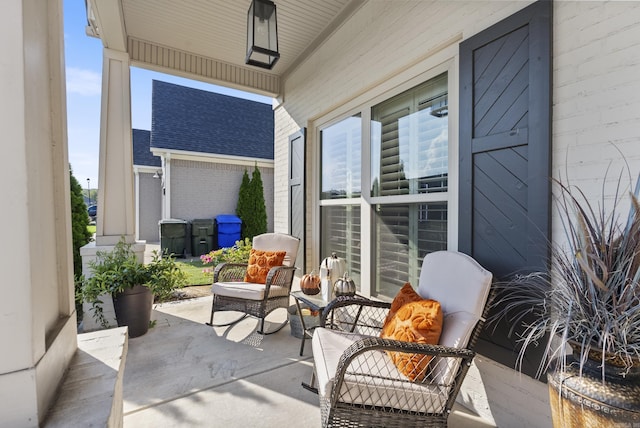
[(315, 303)]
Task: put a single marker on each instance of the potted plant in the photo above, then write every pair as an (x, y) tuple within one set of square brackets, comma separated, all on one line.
[(131, 284), (589, 303)]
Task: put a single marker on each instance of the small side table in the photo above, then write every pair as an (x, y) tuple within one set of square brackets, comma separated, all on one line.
[(315, 303)]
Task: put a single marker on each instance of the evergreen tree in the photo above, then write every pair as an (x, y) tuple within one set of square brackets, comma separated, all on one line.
[(243, 210), (80, 236), (251, 206), (259, 208), (79, 223)]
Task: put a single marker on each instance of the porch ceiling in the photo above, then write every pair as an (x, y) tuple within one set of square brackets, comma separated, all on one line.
[(206, 40)]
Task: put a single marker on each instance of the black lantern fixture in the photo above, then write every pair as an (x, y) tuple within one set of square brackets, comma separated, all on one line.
[(262, 34)]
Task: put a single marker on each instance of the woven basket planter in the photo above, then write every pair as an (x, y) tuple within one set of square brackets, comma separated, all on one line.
[(296, 325)]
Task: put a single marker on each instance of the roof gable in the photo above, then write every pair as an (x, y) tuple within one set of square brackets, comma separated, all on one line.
[(199, 121), (142, 155)]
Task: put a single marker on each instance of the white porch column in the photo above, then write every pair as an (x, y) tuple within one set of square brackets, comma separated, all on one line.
[(116, 209), (37, 311), (166, 185)]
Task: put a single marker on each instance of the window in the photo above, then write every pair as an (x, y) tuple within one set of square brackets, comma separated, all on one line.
[(341, 235), (341, 181), (407, 170), (409, 139), (341, 159), (409, 156)]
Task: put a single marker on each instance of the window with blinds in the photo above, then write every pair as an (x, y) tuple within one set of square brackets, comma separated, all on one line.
[(409, 139), (405, 233), (409, 156), (341, 159), (341, 235)]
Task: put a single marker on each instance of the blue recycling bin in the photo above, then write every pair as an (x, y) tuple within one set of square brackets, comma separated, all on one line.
[(229, 227)]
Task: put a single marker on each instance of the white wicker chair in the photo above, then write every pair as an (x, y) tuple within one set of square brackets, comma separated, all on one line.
[(358, 384), (231, 293)]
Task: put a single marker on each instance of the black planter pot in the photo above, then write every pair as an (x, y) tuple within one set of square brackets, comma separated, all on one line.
[(133, 309), (584, 400)]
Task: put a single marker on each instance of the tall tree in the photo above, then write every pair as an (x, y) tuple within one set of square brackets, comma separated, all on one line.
[(251, 206), (257, 198), (79, 223), (80, 236), (243, 210)]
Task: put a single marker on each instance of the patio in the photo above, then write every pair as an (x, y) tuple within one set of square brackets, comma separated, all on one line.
[(184, 373)]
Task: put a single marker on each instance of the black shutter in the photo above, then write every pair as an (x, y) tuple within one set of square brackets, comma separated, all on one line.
[(505, 142), (297, 144)]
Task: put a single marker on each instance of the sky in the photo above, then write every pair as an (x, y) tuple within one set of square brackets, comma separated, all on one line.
[(83, 57)]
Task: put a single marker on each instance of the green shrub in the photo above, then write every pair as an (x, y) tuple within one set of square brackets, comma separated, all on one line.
[(251, 205), (118, 270), (239, 253), (80, 236)]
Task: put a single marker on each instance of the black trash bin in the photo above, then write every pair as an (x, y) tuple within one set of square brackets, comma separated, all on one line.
[(173, 235), (201, 236), (229, 227)]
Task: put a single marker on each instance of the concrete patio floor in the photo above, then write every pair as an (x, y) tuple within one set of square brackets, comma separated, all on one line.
[(183, 373)]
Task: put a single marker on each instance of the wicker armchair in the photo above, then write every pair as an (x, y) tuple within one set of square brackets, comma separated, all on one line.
[(357, 382), (231, 293)]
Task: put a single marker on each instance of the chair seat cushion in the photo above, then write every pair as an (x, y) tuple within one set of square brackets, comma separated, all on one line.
[(370, 379), (247, 290)]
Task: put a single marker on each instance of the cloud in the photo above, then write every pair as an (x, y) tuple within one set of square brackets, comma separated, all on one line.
[(83, 82)]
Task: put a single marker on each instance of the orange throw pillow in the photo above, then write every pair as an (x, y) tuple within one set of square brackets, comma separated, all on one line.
[(405, 295), (419, 322), (260, 263)]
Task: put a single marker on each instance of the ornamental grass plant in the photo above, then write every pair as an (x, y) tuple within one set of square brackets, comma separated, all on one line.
[(591, 298)]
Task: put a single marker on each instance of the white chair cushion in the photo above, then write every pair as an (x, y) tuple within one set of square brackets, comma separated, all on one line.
[(278, 242), (455, 280), (247, 290), (456, 332), (329, 345)]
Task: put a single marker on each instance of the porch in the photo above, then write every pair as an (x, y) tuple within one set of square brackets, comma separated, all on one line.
[(184, 373)]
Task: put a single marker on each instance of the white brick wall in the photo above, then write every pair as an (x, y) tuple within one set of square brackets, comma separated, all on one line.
[(596, 96), (596, 116), (284, 127)]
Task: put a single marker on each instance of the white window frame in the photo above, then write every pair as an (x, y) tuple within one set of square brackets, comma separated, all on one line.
[(445, 60)]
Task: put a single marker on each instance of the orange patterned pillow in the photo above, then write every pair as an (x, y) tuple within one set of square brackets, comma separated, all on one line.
[(419, 322), (405, 295), (260, 263)]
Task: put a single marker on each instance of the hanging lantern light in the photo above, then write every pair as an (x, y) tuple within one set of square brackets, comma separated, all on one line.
[(262, 34)]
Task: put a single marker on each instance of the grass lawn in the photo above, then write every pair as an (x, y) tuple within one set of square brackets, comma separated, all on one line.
[(193, 269), (91, 228)]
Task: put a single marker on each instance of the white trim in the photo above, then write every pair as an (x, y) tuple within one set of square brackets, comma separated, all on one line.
[(136, 200), (212, 157), (146, 169)]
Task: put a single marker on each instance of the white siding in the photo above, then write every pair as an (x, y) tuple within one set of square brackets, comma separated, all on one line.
[(596, 96), (150, 207)]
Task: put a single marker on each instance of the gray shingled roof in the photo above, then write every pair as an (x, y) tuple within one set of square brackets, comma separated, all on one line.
[(141, 149), (195, 120)]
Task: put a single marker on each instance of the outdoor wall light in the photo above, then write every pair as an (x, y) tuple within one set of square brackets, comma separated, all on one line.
[(262, 34), (158, 174)]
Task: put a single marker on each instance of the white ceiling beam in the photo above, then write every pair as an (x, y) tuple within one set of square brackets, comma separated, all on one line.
[(106, 20)]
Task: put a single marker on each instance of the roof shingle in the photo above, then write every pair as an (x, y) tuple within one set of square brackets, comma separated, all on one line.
[(141, 149), (200, 121)]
